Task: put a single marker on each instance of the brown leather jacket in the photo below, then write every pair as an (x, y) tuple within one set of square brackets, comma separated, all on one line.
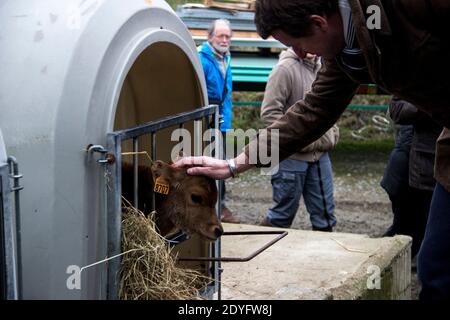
[(401, 58)]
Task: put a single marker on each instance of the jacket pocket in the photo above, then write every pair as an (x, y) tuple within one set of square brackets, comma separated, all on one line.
[(284, 185)]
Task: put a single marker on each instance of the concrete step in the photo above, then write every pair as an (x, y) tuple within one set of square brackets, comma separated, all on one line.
[(315, 265)]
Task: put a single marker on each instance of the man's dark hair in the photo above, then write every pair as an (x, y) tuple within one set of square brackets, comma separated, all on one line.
[(290, 16)]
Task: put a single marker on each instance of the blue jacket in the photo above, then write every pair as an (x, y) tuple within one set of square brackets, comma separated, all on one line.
[(215, 83)]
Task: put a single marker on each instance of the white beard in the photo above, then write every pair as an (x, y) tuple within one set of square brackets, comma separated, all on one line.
[(220, 49)]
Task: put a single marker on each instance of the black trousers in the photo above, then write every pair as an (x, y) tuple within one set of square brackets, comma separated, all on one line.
[(410, 208), (433, 263)]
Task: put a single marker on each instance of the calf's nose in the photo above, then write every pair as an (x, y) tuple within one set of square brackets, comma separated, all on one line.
[(218, 232)]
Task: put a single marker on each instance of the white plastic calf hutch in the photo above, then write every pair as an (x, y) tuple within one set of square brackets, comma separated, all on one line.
[(73, 73)]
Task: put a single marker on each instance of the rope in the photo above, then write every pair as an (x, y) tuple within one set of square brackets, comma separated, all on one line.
[(138, 153), (349, 249), (380, 123)]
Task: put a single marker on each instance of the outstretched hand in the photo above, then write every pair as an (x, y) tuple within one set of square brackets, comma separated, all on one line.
[(206, 166)]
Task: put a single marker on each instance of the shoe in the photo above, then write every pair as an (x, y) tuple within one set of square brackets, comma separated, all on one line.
[(265, 223), (227, 216), (326, 229)]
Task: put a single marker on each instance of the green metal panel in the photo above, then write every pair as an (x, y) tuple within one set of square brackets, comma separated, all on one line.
[(251, 70)]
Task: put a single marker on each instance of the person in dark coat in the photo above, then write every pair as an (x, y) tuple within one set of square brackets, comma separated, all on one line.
[(408, 178)]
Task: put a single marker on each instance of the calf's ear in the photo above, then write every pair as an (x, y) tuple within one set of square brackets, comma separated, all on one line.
[(160, 169), (168, 173)]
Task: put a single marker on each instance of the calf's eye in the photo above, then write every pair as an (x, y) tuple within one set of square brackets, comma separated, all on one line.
[(196, 199)]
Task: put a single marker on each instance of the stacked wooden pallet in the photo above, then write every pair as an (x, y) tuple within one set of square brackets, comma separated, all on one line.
[(245, 5)]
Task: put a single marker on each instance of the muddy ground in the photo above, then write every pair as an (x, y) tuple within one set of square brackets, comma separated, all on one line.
[(362, 206)]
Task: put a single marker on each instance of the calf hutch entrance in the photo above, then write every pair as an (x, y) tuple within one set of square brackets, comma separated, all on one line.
[(111, 158)]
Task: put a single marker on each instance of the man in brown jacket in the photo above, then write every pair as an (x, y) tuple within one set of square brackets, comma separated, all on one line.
[(307, 172), (393, 43)]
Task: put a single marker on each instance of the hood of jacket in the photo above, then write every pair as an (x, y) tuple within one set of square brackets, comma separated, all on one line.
[(311, 64)]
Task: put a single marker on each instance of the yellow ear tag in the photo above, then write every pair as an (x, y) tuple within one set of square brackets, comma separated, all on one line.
[(161, 186)]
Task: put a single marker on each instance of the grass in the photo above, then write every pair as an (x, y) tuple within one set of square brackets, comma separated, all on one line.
[(367, 152), (378, 143), (359, 158)]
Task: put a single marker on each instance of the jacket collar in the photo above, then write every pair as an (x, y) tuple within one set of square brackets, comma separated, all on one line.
[(311, 64), (207, 49), (360, 9)]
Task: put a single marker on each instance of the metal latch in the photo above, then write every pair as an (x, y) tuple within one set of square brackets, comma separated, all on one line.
[(106, 158), (14, 173)]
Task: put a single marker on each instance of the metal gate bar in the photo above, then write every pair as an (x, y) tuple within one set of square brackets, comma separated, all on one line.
[(114, 201), (281, 234), (10, 231), (135, 170)]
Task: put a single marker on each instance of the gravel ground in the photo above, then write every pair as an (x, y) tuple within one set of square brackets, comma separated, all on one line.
[(362, 206)]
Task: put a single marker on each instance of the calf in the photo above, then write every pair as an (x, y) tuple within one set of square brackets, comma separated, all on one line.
[(188, 206)]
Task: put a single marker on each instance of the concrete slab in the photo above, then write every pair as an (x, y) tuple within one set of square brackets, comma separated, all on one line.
[(316, 265)]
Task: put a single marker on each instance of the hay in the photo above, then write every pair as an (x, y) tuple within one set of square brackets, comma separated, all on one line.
[(148, 270)]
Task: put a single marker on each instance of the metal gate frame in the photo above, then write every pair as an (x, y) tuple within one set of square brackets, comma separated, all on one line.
[(10, 272), (113, 159)]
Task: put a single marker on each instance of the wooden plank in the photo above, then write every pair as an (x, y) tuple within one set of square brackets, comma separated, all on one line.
[(236, 34), (248, 5)]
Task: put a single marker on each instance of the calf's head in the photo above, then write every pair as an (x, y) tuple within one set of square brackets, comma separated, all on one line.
[(189, 204)]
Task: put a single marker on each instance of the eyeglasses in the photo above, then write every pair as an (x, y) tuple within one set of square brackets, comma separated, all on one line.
[(220, 36)]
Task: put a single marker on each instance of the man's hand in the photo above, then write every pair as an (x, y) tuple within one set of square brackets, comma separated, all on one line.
[(206, 166)]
